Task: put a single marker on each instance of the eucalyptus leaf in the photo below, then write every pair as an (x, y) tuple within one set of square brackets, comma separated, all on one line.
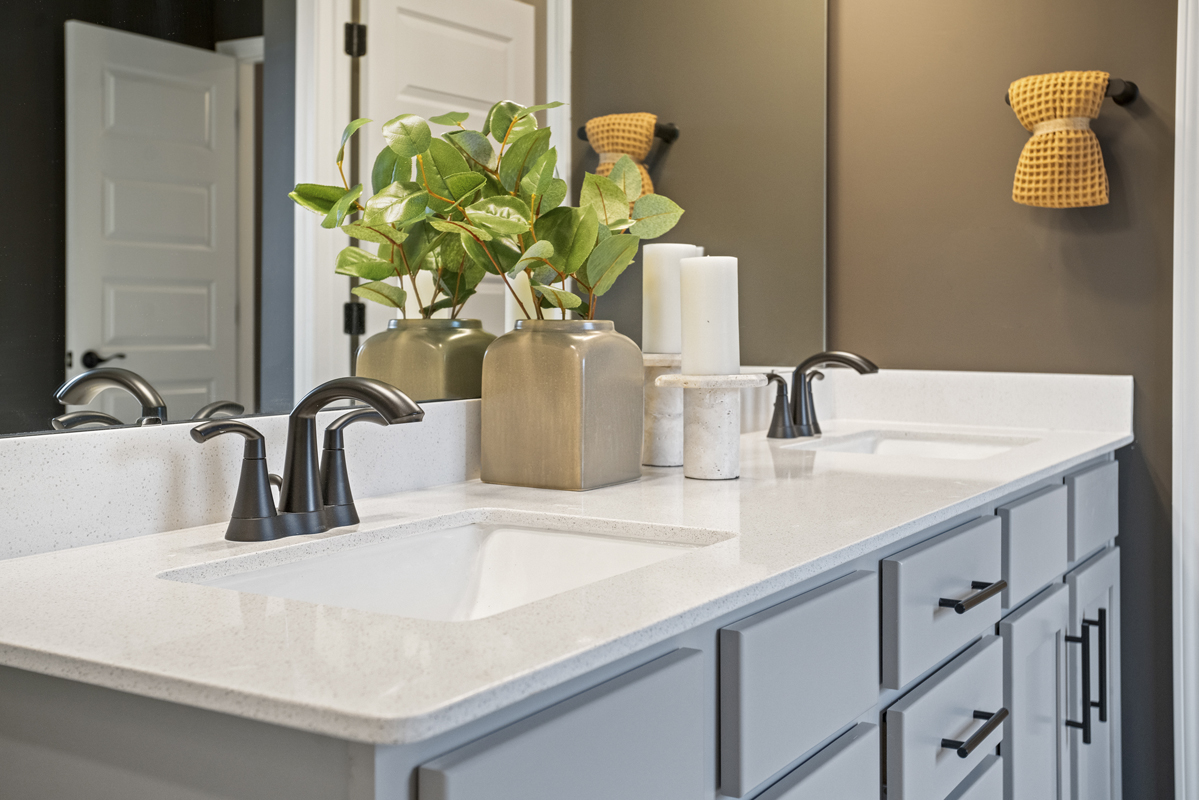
[(464, 184), (388, 169), (382, 293), (619, 225), (583, 240), (417, 249), (475, 146), (536, 254), (654, 215), (346, 134), (440, 197), (398, 203), (341, 208), (316, 196), (626, 175), (446, 302), (608, 199), (540, 174), (534, 109), (559, 297), (602, 233), (521, 157), (451, 118), (408, 135), (502, 215), (459, 227), (361, 264), (447, 158), (553, 197), (490, 255), (452, 255), (506, 125), (367, 234), (609, 259)]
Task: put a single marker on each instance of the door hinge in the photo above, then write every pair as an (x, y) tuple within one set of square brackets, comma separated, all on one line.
[(355, 319), (355, 39)]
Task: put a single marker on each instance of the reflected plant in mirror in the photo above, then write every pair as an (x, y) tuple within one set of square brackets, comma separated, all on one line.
[(469, 203)]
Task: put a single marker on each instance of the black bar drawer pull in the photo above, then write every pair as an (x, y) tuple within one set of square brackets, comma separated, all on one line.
[(1087, 702), (994, 720), (984, 592)]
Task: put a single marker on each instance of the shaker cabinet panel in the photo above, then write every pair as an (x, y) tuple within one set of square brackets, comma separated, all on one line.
[(1034, 543), (792, 675), (918, 631), (637, 735), (848, 769), (985, 783), (1094, 508), (950, 711), (1035, 738), (1093, 663)]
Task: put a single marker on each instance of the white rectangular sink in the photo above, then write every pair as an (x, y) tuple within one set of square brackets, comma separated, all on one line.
[(455, 574), (958, 447)]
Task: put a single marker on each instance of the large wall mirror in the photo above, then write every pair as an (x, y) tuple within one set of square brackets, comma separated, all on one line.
[(158, 141)]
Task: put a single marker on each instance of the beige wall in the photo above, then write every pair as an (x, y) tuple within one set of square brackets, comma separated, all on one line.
[(931, 265)]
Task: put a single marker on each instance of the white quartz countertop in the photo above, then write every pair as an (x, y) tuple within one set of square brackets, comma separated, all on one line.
[(100, 613)]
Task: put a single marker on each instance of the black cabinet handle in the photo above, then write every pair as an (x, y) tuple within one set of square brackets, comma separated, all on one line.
[(984, 592), (1087, 702), (964, 749)]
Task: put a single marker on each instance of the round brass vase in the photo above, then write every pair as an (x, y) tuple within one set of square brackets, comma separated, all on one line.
[(428, 359), (562, 406)]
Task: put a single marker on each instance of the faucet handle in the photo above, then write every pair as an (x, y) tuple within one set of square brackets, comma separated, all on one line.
[(219, 408), (781, 426), (75, 419), (335, 478), (254, 518)]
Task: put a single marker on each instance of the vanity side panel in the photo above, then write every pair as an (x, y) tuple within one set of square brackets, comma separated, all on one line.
[(61, 739)]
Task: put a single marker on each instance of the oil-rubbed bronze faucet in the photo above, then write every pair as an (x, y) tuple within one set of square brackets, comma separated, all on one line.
[(798, 418), (83, 389)]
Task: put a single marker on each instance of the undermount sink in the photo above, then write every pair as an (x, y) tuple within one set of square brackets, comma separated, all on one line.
[(963, 447), (457, 573)]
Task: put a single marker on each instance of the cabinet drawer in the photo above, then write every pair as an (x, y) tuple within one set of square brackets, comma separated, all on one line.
[(1034, 543), (1094, 509), (638, 735), (985, 783), (917, 631), (791, 675), (848, 769), (942, 708)]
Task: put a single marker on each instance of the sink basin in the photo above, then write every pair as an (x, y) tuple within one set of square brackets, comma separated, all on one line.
[(454, 574), (965, 447)]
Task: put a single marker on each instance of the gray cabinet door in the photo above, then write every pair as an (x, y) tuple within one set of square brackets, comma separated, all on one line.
[(792, 675), (1034, 543), (1035, 739), (920, 765), (917, 632), (1095, 603), (1094, 508), (985, 783), (848, 769), (637, 735)]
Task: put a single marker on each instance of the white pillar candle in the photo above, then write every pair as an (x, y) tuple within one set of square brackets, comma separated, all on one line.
[(711, 345), (661, 320)]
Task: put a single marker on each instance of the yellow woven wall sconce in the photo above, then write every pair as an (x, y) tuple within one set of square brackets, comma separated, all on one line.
[(1061, 165), (632, 135)]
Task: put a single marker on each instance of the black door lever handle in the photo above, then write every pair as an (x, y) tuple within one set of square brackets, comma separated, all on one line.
[(91, 359)]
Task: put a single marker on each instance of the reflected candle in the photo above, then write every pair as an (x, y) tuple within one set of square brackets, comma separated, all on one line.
[(661, 319), (711, 345)]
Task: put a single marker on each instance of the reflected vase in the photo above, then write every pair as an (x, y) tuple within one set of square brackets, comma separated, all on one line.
[(562, 406), (428, 359)]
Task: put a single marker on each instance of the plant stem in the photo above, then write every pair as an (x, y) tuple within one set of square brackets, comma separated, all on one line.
[(523, 310)]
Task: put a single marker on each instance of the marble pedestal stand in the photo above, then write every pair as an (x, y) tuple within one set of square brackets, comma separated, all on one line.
[(711, 422), (662, 445)]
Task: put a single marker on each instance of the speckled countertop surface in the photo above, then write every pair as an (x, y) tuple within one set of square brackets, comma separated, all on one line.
[(101, 614)]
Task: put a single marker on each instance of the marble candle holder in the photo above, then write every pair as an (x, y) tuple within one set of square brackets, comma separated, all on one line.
[(711, 422), (662, 445)]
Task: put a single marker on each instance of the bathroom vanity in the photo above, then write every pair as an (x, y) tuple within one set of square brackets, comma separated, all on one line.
[(922, 604)]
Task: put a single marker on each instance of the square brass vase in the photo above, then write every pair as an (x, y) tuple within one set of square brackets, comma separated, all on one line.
[(428, 359), (562, 406)]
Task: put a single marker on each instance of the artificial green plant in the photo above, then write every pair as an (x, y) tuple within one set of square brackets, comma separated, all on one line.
[(472, 202)]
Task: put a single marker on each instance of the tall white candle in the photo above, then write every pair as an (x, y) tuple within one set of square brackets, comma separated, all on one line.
[(661, 319), (711, 345)]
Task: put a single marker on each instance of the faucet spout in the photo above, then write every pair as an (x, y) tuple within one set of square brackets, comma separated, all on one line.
[(301, 493), (803, 409), (83, 388)]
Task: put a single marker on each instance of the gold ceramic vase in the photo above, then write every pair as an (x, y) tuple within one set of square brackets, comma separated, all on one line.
[(428, 359), (562, 406)]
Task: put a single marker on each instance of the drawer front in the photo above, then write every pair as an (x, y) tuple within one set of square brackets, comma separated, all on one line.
[(848, 769), (942, 708), (638, 735), (918, 632), (985, 783), (792, 675), (1094, 509), (1034, 543)]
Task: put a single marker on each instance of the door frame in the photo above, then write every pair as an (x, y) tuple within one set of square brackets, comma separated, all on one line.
[(322, 81), (1185, 487)]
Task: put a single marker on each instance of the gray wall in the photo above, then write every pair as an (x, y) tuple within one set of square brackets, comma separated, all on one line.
[(745, 84), (932, 266)]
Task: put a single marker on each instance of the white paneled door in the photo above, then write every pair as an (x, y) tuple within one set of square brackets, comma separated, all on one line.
[(427, 57), (151, 214)]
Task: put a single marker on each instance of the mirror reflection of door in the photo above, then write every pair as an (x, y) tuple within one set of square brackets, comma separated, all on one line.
[(152, 215)]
